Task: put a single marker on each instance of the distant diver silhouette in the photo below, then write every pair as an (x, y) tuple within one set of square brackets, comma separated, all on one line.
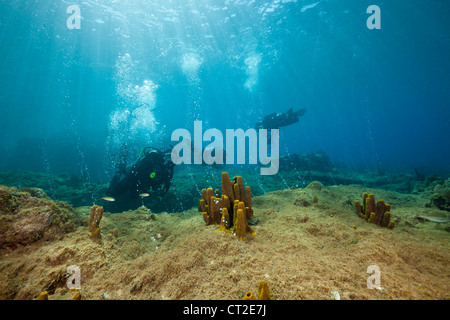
[(278, 120)]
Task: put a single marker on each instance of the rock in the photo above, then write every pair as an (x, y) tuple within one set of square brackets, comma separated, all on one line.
[(335, 295), (25, 219), (301, 203), (315, 185), (115, 232), (441, 196), (252, 221), (34, 192)]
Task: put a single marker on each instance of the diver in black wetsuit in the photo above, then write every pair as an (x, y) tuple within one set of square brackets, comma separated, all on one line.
[(151, 173), (278, 120)]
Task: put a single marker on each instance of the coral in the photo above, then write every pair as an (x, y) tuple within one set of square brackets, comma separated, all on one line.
[(94, 222), (235, 198), (263, 292), (378, 214)]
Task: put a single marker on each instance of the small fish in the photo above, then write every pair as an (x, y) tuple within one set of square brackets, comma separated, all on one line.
[(434, 218), (109, 199), (144, 194)]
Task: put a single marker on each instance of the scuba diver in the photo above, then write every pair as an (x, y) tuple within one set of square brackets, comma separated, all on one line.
[(150, 175), (278, 120)]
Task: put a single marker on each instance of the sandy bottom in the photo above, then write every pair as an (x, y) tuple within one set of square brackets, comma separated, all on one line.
[(303, 252)]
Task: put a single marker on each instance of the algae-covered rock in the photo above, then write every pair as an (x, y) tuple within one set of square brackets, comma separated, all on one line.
[(25, 218), (34, 192), (315, 185), (430, 182), (441, 196)]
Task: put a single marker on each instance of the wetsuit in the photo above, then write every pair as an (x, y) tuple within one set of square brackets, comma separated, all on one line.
[(151, 173), (278, 120)]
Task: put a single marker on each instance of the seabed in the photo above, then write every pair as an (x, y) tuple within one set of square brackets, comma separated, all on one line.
[(309, 244)]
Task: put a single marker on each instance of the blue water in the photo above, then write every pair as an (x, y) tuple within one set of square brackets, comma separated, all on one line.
[(137, 70)]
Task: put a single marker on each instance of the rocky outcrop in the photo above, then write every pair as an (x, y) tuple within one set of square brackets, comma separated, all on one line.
[(28, 215)]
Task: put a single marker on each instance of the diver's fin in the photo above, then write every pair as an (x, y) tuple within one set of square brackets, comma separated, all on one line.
[(300, 112)]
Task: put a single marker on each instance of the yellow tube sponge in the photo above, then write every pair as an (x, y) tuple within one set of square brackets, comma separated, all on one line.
[(391, 225), (236, 192), (263, 292), (359, 209), (249, 296), (94, 222), (225, 221), (315, 200), (240, 183), (43, 296), (378, 213), (227, 186), (386, 219), (223, 209), (241, 227), (213, 213), (202, 205), (209, 195), (369, 206), (76, 296)]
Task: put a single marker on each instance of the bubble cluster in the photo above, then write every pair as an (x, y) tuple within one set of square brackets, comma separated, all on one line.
[(190, 64), (251, 69), (136, 100)]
